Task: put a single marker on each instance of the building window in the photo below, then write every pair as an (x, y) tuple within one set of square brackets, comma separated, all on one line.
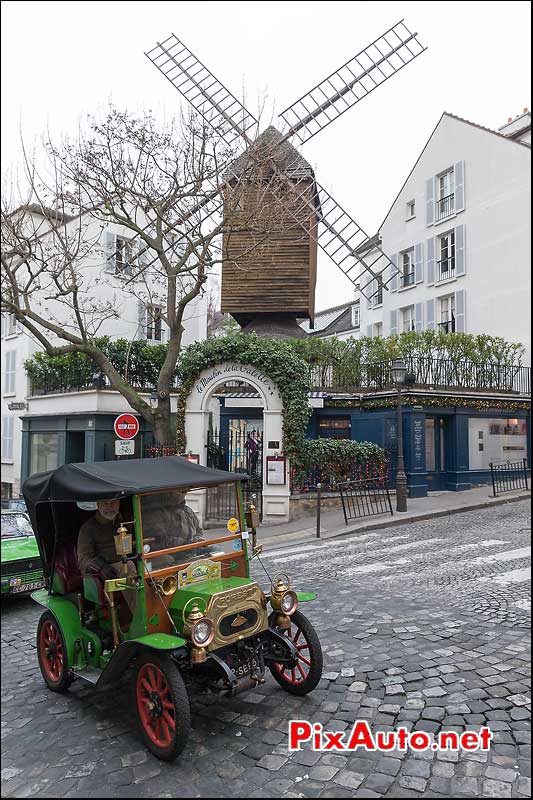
[(44, 455), (378, 329), (356, 316), (7, 491), (9, 372), (154, 326), (446, 261), (445, 194), (124, 256), (447, 314), (377, 297), (7, 438), (496, 440), (410, 209), (334, 428), (407, 276), (408, 319), (10, 326)]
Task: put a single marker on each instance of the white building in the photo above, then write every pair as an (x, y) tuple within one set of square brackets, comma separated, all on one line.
[(108, 280), (459, 231)]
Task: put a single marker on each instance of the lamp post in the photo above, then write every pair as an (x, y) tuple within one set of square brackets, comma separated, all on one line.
[(399, 373)]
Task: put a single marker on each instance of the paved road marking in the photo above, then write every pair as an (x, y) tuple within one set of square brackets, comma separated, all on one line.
[(507, 555), (514, 576)]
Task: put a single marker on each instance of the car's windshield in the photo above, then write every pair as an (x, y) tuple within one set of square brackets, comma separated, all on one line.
[(169, 521), (14, 525)]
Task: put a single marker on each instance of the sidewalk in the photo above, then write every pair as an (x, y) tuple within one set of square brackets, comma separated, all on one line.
[(436, 504)]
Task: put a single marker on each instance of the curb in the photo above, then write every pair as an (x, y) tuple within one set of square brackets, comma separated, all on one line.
[(392, 523)]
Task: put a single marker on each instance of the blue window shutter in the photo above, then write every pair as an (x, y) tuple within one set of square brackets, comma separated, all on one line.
[(110, 251), (460, 186), (430, 201), (419, 263), (460, 266), (369, 331), (460, 311), (430, 315), (394, 321), (393, 284), (431, 259), (419, 316)]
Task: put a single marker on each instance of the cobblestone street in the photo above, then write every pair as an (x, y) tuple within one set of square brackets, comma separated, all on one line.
[(424, 626)]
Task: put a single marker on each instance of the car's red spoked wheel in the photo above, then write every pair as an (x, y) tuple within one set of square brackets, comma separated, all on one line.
[(52, 654), (304, 676), (162, 705)]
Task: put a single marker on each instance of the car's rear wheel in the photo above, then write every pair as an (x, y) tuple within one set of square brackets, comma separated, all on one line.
[(305, 675), (52, 654), (162, 704)]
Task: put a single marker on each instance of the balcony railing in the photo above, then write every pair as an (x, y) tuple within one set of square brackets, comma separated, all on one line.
[(447, 326), (445, 206), (407, 279), (437, 373), (377, 298), (446, 268)]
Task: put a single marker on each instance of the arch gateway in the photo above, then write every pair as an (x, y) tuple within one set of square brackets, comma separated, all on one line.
[(275, 498)]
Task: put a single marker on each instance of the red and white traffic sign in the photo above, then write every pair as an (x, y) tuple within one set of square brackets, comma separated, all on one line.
[(126, 426)]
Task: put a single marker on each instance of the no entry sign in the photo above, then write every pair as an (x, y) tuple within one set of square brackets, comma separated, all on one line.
[(126, 426)]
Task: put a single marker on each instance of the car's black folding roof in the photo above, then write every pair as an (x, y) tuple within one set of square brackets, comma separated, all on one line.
[(105, 480)]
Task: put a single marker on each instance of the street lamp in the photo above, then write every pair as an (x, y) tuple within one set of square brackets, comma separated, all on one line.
[(399, 374), (153, 399)]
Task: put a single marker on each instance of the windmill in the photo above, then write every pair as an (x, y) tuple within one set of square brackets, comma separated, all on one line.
[(278, 285)]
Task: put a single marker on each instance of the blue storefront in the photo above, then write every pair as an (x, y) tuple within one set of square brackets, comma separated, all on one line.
[(449, 442)]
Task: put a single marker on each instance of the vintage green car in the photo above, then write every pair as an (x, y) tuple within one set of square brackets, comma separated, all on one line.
[(22, 570), (199, 622)]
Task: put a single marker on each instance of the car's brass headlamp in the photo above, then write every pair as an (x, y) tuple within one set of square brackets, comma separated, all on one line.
[(283, 600), (200, 631)]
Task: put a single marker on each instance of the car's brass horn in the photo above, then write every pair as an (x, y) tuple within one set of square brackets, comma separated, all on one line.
[(166, 585)]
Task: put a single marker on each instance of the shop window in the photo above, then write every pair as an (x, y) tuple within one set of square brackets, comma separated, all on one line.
[(496, 440), (335, 428), (44, 455)]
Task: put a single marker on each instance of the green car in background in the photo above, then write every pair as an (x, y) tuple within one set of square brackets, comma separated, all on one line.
[(22, 570)]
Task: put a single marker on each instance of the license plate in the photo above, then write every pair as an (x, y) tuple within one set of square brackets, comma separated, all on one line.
[(246, 668), (27, 587)]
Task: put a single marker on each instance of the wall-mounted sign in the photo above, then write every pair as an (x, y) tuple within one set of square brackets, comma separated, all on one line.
[(276, 470), (124, 447), (273, 445), (17, 406), (126, 426)]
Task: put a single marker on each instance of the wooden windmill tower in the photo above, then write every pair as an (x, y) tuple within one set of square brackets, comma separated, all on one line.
[(276, 283)]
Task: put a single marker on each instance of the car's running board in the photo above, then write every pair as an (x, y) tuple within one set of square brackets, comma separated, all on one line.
[(89, 674)]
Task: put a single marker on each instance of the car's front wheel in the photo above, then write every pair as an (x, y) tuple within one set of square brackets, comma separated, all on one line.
[(305, 675), (52, 654), (163, 711)]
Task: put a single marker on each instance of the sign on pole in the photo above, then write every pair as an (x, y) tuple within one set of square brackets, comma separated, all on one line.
[(124, 447), (126, 426)]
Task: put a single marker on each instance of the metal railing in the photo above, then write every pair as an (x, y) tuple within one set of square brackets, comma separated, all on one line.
[(446, 206), (508, 477), (364, 499), (448, 325), (446, 268), (407, 279), (344, 376)]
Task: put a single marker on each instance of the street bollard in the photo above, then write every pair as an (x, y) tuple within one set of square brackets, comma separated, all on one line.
[(318, 503)]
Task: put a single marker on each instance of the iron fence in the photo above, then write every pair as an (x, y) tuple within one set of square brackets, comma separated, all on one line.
[(343, 376), (508, 477), (235, 451), (364, 498), (445, 206), (329, 476)]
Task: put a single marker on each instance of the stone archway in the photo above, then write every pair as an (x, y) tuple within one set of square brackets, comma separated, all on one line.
[(275, 497)]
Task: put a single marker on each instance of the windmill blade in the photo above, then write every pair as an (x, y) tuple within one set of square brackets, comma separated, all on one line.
[(206, 94), (356, 254), (341, 90)]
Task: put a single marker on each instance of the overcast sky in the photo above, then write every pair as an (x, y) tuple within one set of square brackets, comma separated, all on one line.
[(63, 60)]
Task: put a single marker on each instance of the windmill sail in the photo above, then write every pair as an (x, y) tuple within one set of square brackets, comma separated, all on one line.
[(207, 95), (341, 90)]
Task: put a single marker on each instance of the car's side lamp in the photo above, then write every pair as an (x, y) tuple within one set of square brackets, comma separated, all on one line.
[(123, 542), (253, 519), (283, 600)]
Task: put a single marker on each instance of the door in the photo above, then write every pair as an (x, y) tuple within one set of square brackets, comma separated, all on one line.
[(75, 453), (436, 453)]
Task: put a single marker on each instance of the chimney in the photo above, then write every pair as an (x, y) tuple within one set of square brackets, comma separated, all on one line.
[(526, 110), (509, 119)]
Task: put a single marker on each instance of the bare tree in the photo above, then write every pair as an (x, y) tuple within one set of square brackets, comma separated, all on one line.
[(163, 186)]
